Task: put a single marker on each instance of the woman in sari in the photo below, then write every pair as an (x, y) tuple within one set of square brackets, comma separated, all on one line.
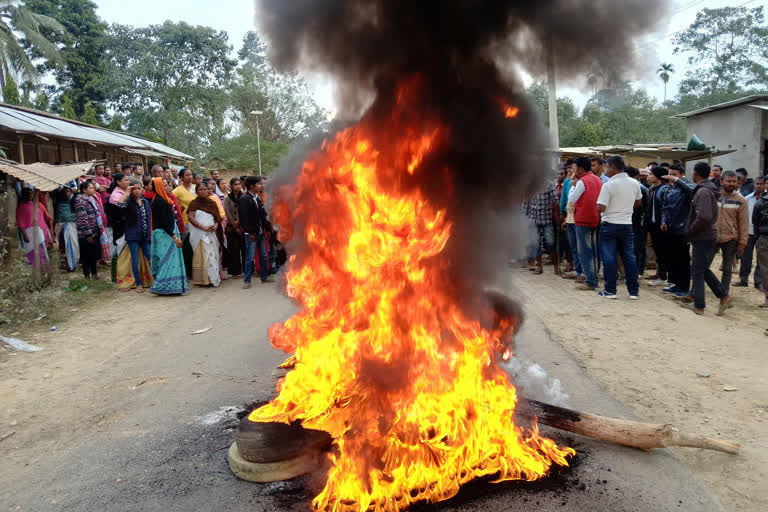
[(133, 270), (204, 237), (66, 230), (105, 240), (25, 222), (167, 258)]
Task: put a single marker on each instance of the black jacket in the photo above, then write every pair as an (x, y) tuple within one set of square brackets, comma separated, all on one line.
[(656, 196), (702, 218), (760, 216), (162, 216), (254, 219), (677, 203)]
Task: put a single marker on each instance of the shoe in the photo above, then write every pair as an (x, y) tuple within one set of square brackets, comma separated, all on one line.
[(581, 279), (725, 303), (604, 294), (657, 282), (246, 286), (682, 295), (570, 275), (267, 280), (740, 285), (672, 289), (685, 298), (651, 278), (634, 297), (585, 287)]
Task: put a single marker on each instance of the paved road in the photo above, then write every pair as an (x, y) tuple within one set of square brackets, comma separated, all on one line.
[(149, 431)]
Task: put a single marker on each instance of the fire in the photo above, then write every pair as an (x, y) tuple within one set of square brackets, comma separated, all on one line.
[(509, 111), (385, 359)]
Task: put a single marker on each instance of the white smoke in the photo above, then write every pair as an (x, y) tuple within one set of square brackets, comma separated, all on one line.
[(533, 382)]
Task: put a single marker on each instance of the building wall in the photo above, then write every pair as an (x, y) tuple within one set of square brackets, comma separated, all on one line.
[(742, 128)]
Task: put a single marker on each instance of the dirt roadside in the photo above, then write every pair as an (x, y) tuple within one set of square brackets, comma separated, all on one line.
[(705, 374)]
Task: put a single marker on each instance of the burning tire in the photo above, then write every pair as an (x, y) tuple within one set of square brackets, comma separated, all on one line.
[(272, 471), (276, 442)]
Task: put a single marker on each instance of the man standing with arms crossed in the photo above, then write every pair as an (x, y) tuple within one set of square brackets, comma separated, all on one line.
[(618, 198), (586, 219), (701, 230)]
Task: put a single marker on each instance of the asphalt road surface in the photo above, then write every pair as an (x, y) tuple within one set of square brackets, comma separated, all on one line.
[(140, 418)]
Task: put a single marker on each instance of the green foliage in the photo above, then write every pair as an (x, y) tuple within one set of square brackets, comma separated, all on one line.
[(82, 46), (18, 20), (728, 50), (242, 152), (42, 101), (67, 110), (665, 71), (11, 92), (171, 80), (89, 115), (116, 123), (289, 111)]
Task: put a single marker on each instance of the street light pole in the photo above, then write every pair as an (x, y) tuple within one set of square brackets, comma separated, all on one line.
[(257, 113)]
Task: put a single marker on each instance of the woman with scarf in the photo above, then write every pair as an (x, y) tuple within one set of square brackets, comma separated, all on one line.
[(105, 240), (133, 213), (205, 238), (89, 229), (167, 258), (25, 222), (66, 229)]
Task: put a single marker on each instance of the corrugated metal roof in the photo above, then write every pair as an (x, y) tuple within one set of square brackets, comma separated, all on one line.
[(763, 107), (142, 152), (45, 177), (25, 120), (721, 106)]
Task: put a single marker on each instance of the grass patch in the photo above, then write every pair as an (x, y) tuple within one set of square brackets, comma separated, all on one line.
[(27, 302)]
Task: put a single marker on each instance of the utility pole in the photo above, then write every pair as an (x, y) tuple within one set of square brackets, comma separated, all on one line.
[(257, 113), (554, 130)]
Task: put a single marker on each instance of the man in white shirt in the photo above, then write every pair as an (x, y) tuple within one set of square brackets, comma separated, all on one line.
[(746, 257), (616, 202)]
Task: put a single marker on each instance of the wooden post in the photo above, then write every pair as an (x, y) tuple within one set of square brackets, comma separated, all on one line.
[(39, 153), (35, 235), (20, 142), (61, 153), (74, 147)]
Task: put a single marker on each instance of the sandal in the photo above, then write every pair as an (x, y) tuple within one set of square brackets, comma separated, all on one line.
[(139, 289)]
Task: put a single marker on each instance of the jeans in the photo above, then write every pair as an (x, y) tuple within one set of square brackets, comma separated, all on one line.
[(571, 228), (134, 246), (702, 254), (236, 253), (678, 260), (90, 252), (761, 248), (586, 241), (746, 264), (659, 246), (250, 252), (729, 248), (638, 241), (618, 239)]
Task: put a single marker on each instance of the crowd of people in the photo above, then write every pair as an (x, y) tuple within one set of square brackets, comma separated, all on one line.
[(159, 232), (607, 214)]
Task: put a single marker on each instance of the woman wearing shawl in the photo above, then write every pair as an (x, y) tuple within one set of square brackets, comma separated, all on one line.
[(66, 230), (167, 258), (117, 196), (204, 237), (105, 241), (133, 214), (25, 223), (89, 229)]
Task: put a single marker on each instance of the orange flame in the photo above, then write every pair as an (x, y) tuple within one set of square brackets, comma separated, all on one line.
[(386, 361), (508, 110)]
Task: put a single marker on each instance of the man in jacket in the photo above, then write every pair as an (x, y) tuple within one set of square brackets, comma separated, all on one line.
[(657, 194), (674, 215), (760, 221), (254, 222), (701, 230), (616, 202), (745, 268), (234, 233), (586, 220), (732, 225), (746, 184)]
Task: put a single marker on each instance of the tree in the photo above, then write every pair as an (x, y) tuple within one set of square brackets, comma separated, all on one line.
[(288, 110), (42, 101), (728, 50), (171, 80), (82, 49), (241, 152), (89, 115), (11, 92), (15, 19), (665, 71), (67, 110), (116, 123)]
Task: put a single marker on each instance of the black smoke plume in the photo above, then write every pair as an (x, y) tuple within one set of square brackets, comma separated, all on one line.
[(463, 50)]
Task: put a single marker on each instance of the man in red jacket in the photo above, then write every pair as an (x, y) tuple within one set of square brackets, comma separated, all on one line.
[(586, 219)]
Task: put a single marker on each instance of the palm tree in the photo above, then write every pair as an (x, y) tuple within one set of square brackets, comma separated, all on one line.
[(665, 71), (15, 19)]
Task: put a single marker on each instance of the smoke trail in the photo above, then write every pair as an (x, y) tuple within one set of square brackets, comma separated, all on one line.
[(460, 49)]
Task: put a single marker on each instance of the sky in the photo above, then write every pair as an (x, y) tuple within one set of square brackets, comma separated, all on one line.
[(239, 16)]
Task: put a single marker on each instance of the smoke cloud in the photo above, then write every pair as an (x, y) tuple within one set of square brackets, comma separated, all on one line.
[(463, 51)]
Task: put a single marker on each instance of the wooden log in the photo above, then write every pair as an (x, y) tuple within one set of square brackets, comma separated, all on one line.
[(644, 436)]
